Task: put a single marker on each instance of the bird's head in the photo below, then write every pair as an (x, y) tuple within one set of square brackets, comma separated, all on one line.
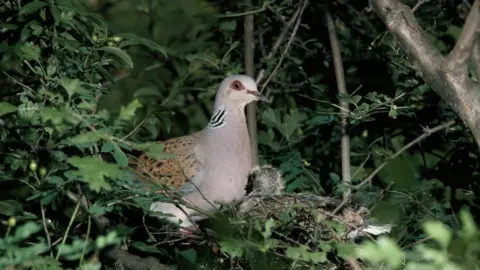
[(238, 90)]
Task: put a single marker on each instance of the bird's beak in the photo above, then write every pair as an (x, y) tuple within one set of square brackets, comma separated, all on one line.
[(258, 96)]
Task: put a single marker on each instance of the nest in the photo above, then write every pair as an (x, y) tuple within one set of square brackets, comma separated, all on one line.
[(309, 213)]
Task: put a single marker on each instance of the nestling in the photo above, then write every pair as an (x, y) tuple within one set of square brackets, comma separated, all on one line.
[(266, 180), (263, 181)]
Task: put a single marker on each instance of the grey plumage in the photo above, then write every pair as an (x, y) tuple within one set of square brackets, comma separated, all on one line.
[(223, 148)]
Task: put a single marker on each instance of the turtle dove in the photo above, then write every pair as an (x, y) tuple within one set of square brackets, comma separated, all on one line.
[(211, 166)]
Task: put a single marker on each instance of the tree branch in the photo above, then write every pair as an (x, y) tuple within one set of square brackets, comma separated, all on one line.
[(460, 54), (475, 58), (342, 92), (445, 75)]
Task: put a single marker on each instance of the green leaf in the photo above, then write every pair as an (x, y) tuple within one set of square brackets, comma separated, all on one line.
[(269, 225), (127, 113), (145, 248), (93, 170), (469, 228), (291, 123), (438, 232), (120, 156), (6, 108), (97, 209), (232, 247), (48, 197), (72, 86), (10, 207), (317, 257), (271, 117), (266, 138), (346, 250), (32, 7), (386, 250), (119, 53), (8, 26), (133, 39), (229, 25), (110, 239), (87, 137), (190, 255), (390, 251), (296, 253), (320, 120), (108, 147), (26, 230), (146, 92), (55, 180), (156, 151), (30, 51), (51, 114)]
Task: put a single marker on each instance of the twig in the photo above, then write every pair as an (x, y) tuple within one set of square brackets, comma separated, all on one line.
[(72, 218), (426, 132), (278, 42), (289, 43), (45, 228), (277, 14), (417, 242), (101, 222), (245, 13), (418, 4), (128, 74), (17, 82), (89, 227), (342, 92)]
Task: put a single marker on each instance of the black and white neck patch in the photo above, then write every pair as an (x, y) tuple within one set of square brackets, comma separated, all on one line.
[(218, 118)]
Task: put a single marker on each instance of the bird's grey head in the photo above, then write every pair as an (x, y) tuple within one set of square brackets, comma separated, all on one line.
[(238, 90)]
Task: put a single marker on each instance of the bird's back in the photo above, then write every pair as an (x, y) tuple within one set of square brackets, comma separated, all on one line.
[(177, 171)]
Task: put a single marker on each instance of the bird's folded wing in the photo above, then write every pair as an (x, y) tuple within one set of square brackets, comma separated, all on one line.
[(178, 171)]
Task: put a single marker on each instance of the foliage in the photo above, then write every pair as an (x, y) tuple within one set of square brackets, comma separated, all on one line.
[(155, 64), (55, 147)]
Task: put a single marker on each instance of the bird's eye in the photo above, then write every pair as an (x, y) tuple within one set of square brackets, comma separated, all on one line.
[(237, 85)]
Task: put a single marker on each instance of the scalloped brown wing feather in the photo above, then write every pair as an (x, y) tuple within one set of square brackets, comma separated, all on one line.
[(177, 171)]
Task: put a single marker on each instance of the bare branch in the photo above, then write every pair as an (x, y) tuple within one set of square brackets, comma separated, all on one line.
[(342, 91), (460, 54), (419, 4), (101, 222), (250, 71), (45, 228), (426, 132), (287, 47), (279, 42)]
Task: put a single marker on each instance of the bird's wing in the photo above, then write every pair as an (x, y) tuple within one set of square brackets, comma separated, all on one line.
[(179, 171)]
